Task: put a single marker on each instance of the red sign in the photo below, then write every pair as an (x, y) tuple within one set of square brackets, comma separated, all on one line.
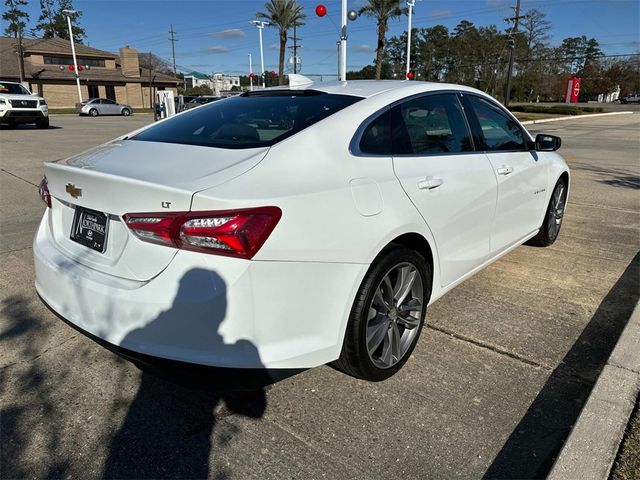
[(572, 92)]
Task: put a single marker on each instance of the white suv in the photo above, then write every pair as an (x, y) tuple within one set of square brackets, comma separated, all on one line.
[(19, 105)]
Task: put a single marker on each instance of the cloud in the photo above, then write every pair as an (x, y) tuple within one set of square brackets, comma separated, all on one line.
[(228, 33), (441, 13), (274, 46), (217, 49), (364, 48)]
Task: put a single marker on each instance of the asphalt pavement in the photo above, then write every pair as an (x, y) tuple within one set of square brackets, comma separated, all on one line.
[(492, 390)]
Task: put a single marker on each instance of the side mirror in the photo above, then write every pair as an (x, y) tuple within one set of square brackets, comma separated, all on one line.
[(547, 143)]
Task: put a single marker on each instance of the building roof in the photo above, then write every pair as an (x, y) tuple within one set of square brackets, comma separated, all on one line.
[(57, 46), (198, 75)]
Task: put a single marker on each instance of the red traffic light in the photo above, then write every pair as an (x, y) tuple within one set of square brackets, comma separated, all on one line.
[(71, 67), (321, 10), (410, 75), (80, 68)]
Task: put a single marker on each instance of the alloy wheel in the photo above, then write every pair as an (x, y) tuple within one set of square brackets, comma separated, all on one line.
[(395, 313)]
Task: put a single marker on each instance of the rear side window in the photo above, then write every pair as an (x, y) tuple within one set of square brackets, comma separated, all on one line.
[(376, 138), (248, 121), (499, 132), (430, 125)]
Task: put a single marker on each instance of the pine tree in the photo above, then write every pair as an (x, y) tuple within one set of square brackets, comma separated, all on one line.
[(52, 22)]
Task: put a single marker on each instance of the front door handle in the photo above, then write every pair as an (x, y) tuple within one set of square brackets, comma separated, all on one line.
[(504, 170), (429, 183)]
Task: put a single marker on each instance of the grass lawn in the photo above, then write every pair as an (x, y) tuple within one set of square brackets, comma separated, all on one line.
[(627, 466)]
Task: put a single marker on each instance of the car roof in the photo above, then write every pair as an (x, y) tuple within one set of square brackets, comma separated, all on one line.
[(370, 88)]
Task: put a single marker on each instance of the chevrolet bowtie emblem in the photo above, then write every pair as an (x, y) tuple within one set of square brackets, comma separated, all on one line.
[(74, 191)]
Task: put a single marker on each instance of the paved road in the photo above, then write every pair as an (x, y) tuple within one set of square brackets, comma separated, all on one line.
[(494, 385)]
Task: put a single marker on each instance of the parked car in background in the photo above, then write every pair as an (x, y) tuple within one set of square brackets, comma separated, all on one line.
[(202, 100), (209, 240), (633, 98), (102, 106), (19, 106)]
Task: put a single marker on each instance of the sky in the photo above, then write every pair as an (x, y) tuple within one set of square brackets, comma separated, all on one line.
[(216, 36)]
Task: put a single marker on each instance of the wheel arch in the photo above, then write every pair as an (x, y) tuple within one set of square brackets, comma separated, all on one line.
[(416, 241)]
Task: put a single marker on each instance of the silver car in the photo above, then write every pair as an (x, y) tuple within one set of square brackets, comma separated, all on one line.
[(102, 106)]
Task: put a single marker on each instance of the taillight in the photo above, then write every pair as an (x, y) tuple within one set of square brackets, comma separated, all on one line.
[(43, 190), (237, 233)]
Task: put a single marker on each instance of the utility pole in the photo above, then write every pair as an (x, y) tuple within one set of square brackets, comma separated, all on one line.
[(295, 48), (410, 4), (512, 45), (173, 41), (20, 55), (68, 13), (261, 24), (343, 42)]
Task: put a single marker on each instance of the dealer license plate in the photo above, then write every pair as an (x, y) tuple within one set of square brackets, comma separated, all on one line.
[(90, 229)]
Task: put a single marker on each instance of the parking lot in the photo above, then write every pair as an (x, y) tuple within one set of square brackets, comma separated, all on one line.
[(492, 389)]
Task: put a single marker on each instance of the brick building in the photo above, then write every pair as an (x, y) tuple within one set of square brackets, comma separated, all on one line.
[(117, 77)]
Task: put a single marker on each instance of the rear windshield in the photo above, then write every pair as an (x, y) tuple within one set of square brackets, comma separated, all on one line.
[(14, 88), (249, 120)]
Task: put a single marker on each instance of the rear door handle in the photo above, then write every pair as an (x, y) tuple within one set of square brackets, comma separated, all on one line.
[(504, 170), (429, 183)]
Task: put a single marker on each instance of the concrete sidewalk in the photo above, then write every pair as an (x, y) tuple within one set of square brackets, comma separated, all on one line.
[(591, 449)]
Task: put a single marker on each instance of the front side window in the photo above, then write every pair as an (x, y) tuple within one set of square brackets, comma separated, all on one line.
[(499, 131), (430, 125), (248, 120)]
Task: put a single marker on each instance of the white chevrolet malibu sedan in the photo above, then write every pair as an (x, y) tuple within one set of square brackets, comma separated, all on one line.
[(293, 227)]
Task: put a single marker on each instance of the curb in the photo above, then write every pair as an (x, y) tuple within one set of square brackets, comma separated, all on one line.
[(593, 444), (574, 117)]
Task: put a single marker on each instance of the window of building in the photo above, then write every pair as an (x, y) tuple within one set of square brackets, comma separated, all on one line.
[(62, 60), (93, 91), (111, 92)]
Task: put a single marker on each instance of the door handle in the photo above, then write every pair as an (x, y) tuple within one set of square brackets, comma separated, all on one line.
[(504, 170), (429, 183)]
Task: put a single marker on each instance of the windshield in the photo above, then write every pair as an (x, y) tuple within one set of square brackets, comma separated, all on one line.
[(13, 88), (248, 121)]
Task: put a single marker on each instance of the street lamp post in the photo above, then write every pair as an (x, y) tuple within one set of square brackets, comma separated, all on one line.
[(250, 74), (261, 24), (410, 4), (68, 14)]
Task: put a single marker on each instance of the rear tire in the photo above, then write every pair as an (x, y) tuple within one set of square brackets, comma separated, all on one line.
[(44, 123), (126, 112), (553, 218), (93, 112), (387, 315)]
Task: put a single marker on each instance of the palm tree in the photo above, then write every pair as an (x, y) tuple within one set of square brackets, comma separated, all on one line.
[(382, 11), (284, 14)]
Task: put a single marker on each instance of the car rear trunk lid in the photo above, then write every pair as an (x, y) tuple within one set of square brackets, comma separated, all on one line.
[(133, 177)]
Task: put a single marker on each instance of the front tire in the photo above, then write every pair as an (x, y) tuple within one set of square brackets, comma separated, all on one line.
[(553, 219), (387, 315)]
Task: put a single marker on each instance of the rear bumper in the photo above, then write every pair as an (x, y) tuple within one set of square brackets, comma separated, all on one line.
[(205, 309)]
